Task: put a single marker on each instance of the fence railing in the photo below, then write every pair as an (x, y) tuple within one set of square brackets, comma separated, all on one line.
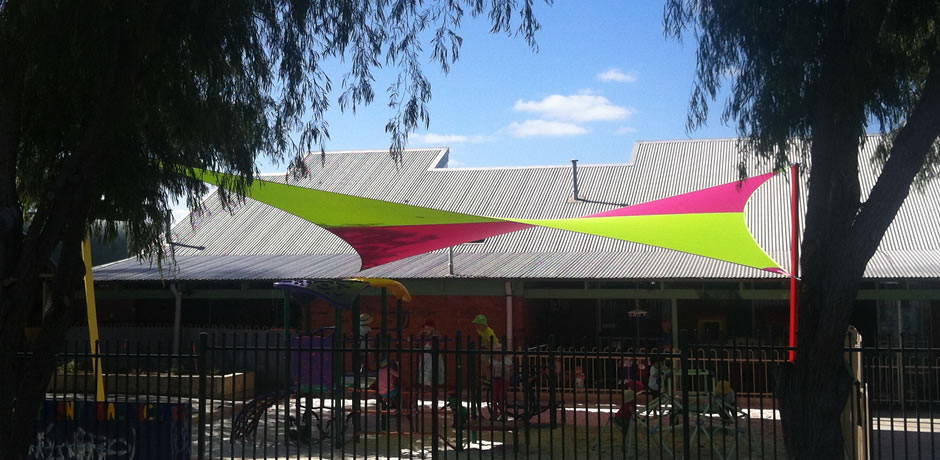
[(749, 371), (277, 396)]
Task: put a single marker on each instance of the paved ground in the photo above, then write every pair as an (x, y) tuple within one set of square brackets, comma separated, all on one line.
[(577, 438), (582, 436), (908, 438)]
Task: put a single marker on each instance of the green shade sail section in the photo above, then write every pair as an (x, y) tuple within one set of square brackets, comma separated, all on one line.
[(332, 210), (722, 236), (709, 222)]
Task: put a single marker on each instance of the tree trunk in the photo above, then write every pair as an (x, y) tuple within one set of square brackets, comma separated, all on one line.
[(23, 380), (813, 390), (812, 397), (61, 217), (840, 238), (39, 368), (11, 246)]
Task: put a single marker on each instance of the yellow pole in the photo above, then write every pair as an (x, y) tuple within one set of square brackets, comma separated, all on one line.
[(92, 313)]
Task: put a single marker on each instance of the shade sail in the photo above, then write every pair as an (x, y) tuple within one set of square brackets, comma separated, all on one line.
[(340, 293), (709, 222), (397, 289)]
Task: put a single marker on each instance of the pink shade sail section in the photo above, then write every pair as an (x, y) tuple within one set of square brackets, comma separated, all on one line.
[(381, 245), (730, 197)]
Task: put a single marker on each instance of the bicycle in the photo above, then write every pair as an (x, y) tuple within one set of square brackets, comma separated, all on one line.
[(531, 380)]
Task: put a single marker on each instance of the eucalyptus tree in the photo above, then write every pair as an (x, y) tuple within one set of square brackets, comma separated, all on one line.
[(807, 80), (100, 103)]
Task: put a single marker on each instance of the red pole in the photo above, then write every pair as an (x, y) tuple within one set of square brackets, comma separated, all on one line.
[(794, 256)]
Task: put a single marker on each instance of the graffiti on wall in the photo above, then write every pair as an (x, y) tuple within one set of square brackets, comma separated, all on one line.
[(85, 430)]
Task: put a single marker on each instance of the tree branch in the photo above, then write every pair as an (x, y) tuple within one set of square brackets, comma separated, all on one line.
[(908, 154)]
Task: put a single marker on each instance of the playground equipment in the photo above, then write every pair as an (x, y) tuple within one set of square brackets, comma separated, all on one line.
[(316, 367), (712, 414)]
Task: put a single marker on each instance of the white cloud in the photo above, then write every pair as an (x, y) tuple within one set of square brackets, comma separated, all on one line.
[(443, 139), (180, 209), (179, 212), (617, 76), (530, 128), (431, 138), (626, 130), (576, 107), (455, 163)]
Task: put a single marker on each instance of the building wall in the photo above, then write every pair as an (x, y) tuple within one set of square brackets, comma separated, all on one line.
[(449, 314), (563, 308)]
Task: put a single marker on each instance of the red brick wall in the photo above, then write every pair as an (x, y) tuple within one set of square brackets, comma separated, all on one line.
[(450, 314)]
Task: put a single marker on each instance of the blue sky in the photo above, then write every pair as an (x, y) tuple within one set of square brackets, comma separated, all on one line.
[(605, 76)]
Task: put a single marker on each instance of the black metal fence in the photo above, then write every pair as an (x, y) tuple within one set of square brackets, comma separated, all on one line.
[(263, 395)]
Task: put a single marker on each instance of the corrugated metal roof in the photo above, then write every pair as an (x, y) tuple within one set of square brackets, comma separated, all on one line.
[(255, 241)]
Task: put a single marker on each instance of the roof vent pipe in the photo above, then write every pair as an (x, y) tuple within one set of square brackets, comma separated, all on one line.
[(450, 261), (574, 179)]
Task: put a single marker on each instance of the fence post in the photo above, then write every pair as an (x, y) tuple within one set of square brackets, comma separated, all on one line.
[(202, 359), (552, 385), (684, 369), (384, 312), (285, 345), (337, 411), (458, 395), (435, 369), (357, 367)]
